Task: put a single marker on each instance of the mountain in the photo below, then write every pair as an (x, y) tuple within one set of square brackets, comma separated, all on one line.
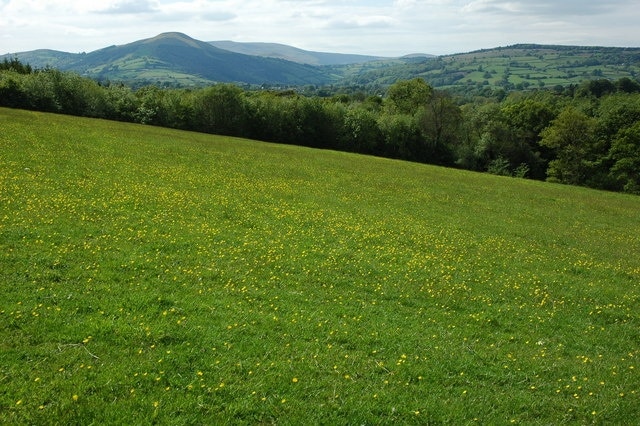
[(175, 52), (42, 58), (175, 58), (293, 54)]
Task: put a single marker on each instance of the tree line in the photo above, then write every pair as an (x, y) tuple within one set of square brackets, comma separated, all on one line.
[(586, 135)]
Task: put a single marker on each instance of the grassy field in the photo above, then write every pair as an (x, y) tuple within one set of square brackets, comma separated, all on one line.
[(157, 276)]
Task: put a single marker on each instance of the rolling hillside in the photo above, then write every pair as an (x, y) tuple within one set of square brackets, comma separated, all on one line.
[(517, 67), (154, 276), (176, 59), (293, 54)]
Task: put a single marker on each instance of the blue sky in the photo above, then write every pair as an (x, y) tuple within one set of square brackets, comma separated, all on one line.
[(375, 27)]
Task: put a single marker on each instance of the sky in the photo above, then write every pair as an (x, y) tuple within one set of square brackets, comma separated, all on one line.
[(373, 27)]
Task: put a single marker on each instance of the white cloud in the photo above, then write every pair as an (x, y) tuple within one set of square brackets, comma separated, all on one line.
[(358, 22), (555, 8), (131, 7), (379, 27)]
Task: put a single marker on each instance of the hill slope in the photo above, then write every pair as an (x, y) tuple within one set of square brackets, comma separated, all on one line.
[(289, 53), (176, 59), (174, 52), (185, 278), (43, 58), (519, 67), (179, 59)]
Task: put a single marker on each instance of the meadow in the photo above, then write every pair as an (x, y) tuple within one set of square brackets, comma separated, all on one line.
[(154, 276)]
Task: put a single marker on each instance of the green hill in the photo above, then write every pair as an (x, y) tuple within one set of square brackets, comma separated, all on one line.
[(158, 276), (178, 60), (43, 58), (290, 53), (523, 66)]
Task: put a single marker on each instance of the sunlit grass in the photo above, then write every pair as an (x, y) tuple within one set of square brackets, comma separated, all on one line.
[(151, 275)]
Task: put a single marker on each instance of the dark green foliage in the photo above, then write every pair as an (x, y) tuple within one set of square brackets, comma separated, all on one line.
[(11, 91), (625, 152), (495, 136), (405, 97), (14, 64), (219, 109), (617, 112), (572, 137), (361, 131), (122, 103), (527, 119), (500, 166), (292, 119), (626, 85), (597, 88), (401, 136), (439, 121), (53, 91)]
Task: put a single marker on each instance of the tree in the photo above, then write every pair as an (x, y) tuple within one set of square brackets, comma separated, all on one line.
[(361, 131), (405, 97), (68, 92), (40, 92), (402, 138), (527, 119), (121, 104), (14, 64), (489, 142), (439, 122), (268, 117), (616, 112), (151, 107), (178, 105), (572, 137), (287, 117), (625, 152), (626, 85), (220, 109), (11, 92), (314, 124), (472, 153), (597, 88)]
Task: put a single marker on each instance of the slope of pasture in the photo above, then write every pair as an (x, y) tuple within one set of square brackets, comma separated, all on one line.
[(157, 276)]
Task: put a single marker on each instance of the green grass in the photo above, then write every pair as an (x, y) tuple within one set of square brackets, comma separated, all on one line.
[(157, 276), (146, 69)]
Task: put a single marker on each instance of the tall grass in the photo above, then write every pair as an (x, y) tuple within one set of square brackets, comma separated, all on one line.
[(158, 276)]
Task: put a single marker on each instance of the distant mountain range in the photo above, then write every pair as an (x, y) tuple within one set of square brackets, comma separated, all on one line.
[(293, 54), (175, 59)]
